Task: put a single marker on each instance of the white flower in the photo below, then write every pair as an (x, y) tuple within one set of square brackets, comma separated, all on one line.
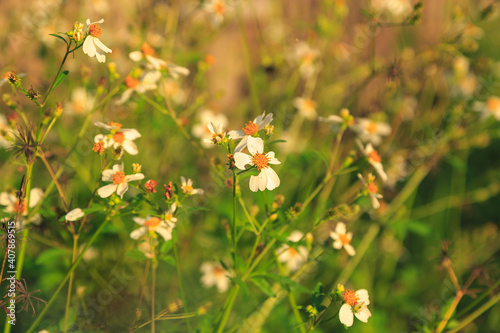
[(6, 133), (294, 258), (145, 83), (355, 304), (187, 187), (398, 8), (489, 108), (215, 275), (250, 129), (217, 133), (168, 217), (371, 131), (81, 101), (306, 107), (267, 178), (344, 118), (200, 130), (371, 189), (119, 179), (172, 90), (13, 206), (216, 8), (74, 215), (157, 64), (342, 239), (152, 224), (119, 137), (374, 159), (92, 46), (305, 57)]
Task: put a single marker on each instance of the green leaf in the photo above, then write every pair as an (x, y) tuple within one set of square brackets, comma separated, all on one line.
[(168, 259), (318, 296), (263, 286), (242, 285), (60, 37), (60, 79), (136, 254)]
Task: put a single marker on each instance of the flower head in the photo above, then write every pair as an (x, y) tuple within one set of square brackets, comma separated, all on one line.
[(489, 108), (355, 304), (200, 130), (371, 189), (306, 58), (345, 118), (306, 107), (215, 275), (251, 129), (217, 9), (371, 131), (293, 257), (152, 224), (118, 137), (218, 134), (119, 181), (187, 187), (146, 53), (374, 159), (267, 178), (146, 82), (92, 46), (342, 239)]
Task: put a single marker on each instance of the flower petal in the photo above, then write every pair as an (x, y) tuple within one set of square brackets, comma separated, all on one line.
[(254, 183), (136, 234), (346, 316), (273, 180), (242, 159), (255, 145), (107, 190), (122, 188)]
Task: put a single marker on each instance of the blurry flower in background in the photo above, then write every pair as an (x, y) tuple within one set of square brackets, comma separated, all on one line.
[(6, 134), (172, 90), (355, 304), (92, 46), (187, 187), (12, 205), (371, 131), (217, 133), (399, 9), (305, 57), (250, 129), (119, 179), (217, 9), (342, 239), (267, 178), (344, 118), (306, 107), (81, 101), (168, 217), (489, 108), (74, 215), (294, 258), (371, 189), (373, 158), (118, 137), (215, 275), (152, 224), (145, 83), (153, 63), (200, 129)]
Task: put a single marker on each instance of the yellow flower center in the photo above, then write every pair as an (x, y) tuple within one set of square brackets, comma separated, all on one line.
[(187, 188), (119, 137), (95, 30), (344, 239), (374, 156), (372, 187), (118, 177), (131, 82), (218, 271), (309, 104), (493, 103), (168, 217), (260, 161), (251, 128), (113, 124), (99, 147), (219, 8), (308, 58), (147, 50), (372, 128), (292, 252), (152, 223), (350, 297)]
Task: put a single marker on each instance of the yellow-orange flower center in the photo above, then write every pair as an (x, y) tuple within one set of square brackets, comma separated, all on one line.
[(218, 271), (119, 137), (95, 30), (118, 177), (7, 75), (372, 187), (344, 239), (260, 161), (251, 128), (350, 297), (219, 8), (168, 217), (187, 188), (493, 103), (309, 104), (131, 82), (308, 58), (292, 252), (99, 147), (113, 124), (374, 156), (152, 222), (372, 128), (147, 50)]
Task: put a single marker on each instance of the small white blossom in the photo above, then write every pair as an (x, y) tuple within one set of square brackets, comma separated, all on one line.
[(145, 83), (157, 64), (215, 275), (371, 189), (374, 159), (294, 258), (489, 108), (119, 179), (217, 133), (152, 224), (119, 137), (200, 129), (342, 239), (371, 131), (187, 187), (74, 215), (355, 304), (250, 129), (92, 46), (306, 107)]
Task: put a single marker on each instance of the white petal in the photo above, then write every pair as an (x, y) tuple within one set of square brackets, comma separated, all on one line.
[(140, 220), (88, 46), (118, 167), (107, 175), (255, 145), (346, 316), (74, 215), (164, 232), (363, 315), (135, 56), (135, 176), (235, 135), (349, 249), (242, 144), (272, 159), (125, 96), (103, 47), (136, 234), (242, 159), (103, 125), (122, 188), (196, 191), (363, 296), (262, 180), (36, 195), (172, 209), (334, 235), (130, 147), (337, 245), (107, 190), (273, 180), (254, 183), (340, 228), (7, 199), (183, 181)]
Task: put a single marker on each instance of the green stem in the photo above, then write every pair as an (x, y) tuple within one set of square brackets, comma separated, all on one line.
[(181, 287), (63, 282), (227, 311), (235, 241), (476, 314), (70, 284)]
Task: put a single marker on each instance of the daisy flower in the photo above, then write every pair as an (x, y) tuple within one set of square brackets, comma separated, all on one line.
[(12, 205), (187, 187), (144, 83), (118, 137), (119, 179), (168, 217), (217, 133), (267, 178), (152, 224), (489, 108), (215, 275), (371, 131), (373, 158), (345, 118), (217, 9), (342, 239), (200, 129), (81, 101), (250, 129), (74, 215), (92, 46), (371, 189), (294, 258), (146, 53), (305, 57), (306, 107), (355, 304)]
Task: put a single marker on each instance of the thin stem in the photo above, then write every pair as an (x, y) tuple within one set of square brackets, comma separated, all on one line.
[(153, 287), (179, 278), (476, 314), (70, 284), (54, 179), (227, 311), (235, 241), (450, 311)]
